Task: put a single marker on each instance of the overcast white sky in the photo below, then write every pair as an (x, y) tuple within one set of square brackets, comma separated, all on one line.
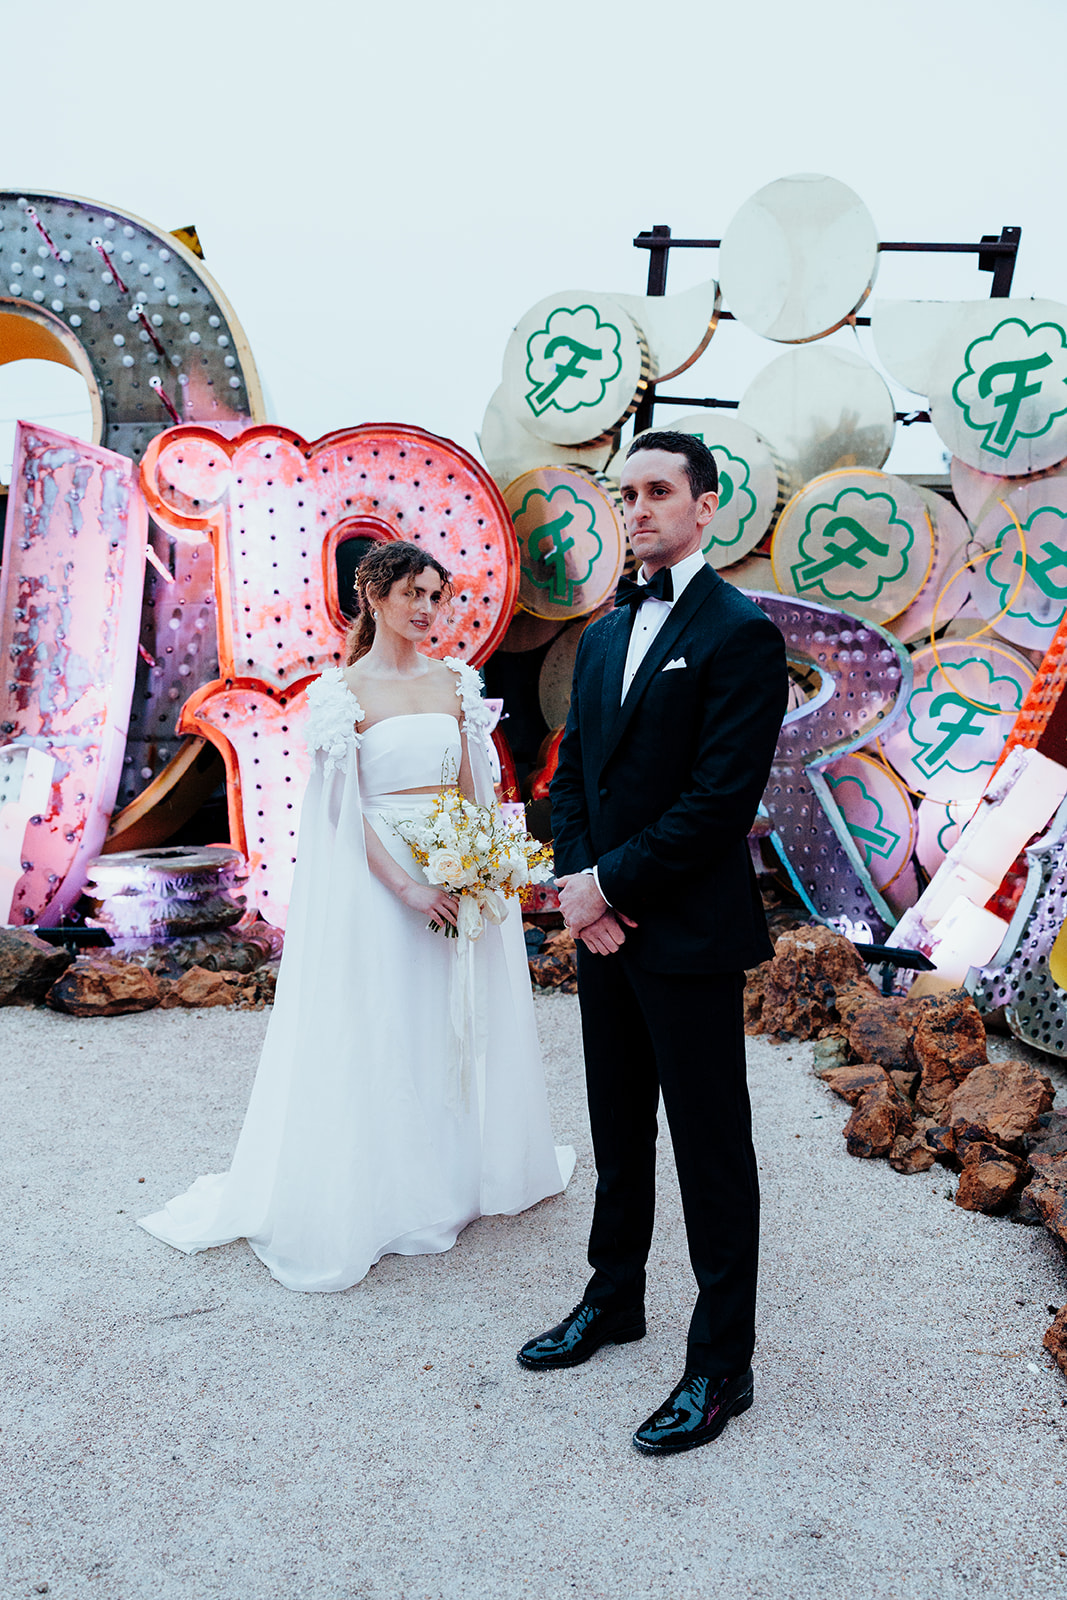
[(382, 190)]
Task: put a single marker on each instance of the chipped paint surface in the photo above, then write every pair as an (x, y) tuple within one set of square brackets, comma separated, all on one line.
[(70, 602)]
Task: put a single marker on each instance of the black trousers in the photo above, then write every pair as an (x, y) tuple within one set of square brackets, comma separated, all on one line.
[(681, 1033)]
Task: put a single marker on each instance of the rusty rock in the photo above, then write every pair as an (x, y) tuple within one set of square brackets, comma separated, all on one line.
[(555, 965), (1005, 1098), (973, 1149), (853, 1082), (880, 1115), (857, 995), (950, 1144), (1049, 1136), (755, 988), (28, 967), (810, 966), (947, 1042), (910, 1152), (1055, 1340), (990, 1178), (96, 988), (198, 987), (943, 1144), (906, 1082), (258, 988), (875, 1033), (1047, 1192)]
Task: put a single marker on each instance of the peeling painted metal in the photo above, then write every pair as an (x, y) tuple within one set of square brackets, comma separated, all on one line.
[(70, 601)]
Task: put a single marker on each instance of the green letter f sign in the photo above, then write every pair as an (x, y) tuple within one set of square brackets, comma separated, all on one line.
[(540, 398), (1011, 399)]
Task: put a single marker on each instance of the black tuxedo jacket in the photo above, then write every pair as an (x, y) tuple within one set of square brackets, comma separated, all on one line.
[(658, 792)]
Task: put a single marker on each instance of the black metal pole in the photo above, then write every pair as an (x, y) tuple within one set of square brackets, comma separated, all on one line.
[(658, 256), (1001, 262)]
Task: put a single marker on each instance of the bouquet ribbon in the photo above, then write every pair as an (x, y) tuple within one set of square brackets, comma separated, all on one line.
[(466, 999)]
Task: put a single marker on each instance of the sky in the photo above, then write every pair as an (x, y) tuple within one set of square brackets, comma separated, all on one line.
[(382, 191)]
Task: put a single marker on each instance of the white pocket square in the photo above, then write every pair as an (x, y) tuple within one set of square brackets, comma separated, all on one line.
[(680, 662)]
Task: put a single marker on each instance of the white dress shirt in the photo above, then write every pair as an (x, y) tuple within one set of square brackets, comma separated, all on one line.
[(651, 615)]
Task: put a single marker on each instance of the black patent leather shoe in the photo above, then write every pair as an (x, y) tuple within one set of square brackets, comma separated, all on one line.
[(695, 1412), (580, 1335)]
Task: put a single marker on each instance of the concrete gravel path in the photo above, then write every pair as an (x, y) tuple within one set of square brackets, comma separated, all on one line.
[(181, 1428)]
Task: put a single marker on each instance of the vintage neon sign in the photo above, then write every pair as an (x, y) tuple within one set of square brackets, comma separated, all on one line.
[(275, 509)]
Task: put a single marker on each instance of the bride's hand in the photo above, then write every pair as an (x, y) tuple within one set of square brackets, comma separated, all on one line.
[(430, 901)]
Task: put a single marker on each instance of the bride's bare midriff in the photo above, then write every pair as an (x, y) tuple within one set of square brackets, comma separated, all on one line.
[(429, 788)]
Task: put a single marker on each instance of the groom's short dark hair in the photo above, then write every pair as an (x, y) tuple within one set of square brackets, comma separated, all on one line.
[(700, 466)]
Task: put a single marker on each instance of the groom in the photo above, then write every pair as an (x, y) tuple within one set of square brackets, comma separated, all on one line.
[(677, 701)]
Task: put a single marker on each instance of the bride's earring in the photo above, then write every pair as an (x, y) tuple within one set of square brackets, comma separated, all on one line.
[(374, 614)]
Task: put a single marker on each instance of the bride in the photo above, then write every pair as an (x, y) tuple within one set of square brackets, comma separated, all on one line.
[(399, 1093)]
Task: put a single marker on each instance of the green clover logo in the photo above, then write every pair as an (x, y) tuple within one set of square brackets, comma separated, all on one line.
[(571, 360), (1046, 564), (559, 541), (734, 476), (853, 547), (1014, 383), (956, 724), (864, 818)]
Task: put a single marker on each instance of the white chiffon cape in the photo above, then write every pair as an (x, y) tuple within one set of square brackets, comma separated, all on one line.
[(372, 1127)]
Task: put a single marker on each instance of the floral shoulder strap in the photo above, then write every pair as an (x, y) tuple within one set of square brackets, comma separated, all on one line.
[(476, 714), (333, 712)]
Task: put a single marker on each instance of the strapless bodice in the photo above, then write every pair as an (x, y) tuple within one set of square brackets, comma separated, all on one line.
[(409, 752)]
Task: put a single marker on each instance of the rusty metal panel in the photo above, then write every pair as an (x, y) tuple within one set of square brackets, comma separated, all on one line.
[(70, 602)]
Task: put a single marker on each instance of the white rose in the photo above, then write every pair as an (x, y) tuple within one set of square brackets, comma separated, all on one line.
[(444, 866), (481, 844)]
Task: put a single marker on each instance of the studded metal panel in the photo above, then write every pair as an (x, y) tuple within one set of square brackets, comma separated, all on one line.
[(1035, 1006), (261, 735), (70, 597), (276, 507), (865, 679), (161, 345)]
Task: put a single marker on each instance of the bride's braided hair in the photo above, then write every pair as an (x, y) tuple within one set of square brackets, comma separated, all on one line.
[(382, 566)]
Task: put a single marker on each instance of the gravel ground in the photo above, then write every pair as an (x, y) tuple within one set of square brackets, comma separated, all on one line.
[(184, 1427)]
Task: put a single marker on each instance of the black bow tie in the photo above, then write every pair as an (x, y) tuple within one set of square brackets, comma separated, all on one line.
[(659, 587)]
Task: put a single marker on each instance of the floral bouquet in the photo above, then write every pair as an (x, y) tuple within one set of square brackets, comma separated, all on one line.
[(476, 854)]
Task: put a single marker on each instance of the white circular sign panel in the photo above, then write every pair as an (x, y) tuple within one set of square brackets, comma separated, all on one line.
[(575, 367), (965, 697), (820, 409), (858, 540), (799, 258), (998, 394), (1021, 586), (947, 590)]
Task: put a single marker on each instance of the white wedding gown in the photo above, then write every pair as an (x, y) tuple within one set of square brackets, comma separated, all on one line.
[(377, 1123)]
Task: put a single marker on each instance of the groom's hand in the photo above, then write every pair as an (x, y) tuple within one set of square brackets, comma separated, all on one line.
[(580, 900), (606, 934)]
